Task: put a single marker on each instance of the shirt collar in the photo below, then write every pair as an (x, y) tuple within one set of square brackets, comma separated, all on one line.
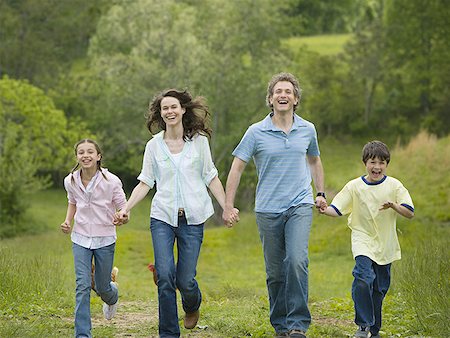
[(269, 126)]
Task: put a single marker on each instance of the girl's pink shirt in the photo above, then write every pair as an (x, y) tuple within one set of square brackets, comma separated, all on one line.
[(95, 211)]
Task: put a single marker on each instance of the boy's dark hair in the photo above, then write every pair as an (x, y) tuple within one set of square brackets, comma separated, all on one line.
[(376, 149)]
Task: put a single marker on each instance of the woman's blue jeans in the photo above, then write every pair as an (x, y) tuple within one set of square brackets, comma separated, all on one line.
[(103, 258), (370, 285), (284, 238), (189, 239)]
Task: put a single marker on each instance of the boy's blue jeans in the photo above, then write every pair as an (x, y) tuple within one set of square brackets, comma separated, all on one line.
[(369, 287), (284, 238), (103, 258), (182, 275)]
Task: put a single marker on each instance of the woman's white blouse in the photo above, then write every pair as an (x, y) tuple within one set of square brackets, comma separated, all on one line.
[(180, 183)]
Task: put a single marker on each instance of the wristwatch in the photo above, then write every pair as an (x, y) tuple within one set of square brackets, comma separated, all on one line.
[(321, 194)]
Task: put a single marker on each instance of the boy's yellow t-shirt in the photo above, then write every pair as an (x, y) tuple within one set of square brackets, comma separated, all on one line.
[(374, 231)]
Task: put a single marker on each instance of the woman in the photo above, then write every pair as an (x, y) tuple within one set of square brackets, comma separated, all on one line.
[(178, 159)]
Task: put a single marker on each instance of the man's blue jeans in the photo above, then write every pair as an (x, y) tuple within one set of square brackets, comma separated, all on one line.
[(104, 259), (369, 287), (182, 275), (284, 238)]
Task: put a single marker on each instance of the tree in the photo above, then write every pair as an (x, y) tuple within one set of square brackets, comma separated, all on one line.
[(365, 56), (418, 50), (312, 17), (34, 141), (225, 51), (42, 39)]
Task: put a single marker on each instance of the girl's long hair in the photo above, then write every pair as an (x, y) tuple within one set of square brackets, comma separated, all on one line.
[(195, 120)]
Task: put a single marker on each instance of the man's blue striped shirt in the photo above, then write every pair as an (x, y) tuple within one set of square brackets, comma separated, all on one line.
[(284, 178)]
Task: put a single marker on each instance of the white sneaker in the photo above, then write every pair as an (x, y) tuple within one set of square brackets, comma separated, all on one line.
[(109, 310)]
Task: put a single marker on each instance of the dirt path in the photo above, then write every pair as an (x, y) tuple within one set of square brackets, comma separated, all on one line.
[(138, 319)]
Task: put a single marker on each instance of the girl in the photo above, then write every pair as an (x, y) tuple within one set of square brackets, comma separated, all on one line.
[(94, 196), (178, 160)]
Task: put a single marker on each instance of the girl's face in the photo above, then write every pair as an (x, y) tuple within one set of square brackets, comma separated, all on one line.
[(376, 169), (87, 155), (171, 111)]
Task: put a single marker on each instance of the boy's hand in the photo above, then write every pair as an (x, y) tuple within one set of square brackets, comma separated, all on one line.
[(321, 204), (65, 227), (386, 205)]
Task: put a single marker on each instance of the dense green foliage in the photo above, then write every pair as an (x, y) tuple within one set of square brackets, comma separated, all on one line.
[(101, 62), (41, 40), (37, 290), (33, 143)]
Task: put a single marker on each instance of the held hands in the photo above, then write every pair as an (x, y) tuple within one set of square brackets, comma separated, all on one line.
[(321, 204), (230, 216), (121, 217), (65, 227)]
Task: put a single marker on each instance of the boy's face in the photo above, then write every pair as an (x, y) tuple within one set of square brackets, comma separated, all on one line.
[(376, 169)]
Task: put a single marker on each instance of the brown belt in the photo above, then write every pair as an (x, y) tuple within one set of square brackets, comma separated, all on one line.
[(180, 212)]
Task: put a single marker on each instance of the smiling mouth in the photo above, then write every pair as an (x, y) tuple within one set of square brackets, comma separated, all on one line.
[(283, 102)]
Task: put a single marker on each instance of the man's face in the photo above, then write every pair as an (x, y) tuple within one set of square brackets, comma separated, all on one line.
[(283, 98)]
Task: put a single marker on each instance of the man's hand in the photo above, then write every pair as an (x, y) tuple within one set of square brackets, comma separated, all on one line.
[(321, 204), (230, 216)]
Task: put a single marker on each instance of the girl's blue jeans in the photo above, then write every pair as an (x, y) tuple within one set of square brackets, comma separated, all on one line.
[(284, 238), (103, 258), (181, 275), (370, 285)]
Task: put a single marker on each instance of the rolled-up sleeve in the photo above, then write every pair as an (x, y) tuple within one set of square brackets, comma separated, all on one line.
[(147, 174), (119, 198), (67, 186), (209, 169)]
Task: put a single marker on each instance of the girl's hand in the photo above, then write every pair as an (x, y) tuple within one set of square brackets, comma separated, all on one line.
[(65, 227), (121, 217)]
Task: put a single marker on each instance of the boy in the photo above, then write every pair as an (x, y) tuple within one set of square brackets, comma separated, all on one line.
[(373, 202)]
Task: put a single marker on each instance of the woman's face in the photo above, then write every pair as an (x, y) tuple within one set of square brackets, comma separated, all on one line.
[(171, 111)]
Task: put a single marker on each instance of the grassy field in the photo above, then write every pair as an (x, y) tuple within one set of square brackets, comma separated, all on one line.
[(37, 279), (322, 44)]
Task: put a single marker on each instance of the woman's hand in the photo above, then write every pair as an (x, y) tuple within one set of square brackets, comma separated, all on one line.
[(121, 217), (230, 216)]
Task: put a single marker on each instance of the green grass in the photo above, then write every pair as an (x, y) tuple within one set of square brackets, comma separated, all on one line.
[(322, 44), (37, 279)]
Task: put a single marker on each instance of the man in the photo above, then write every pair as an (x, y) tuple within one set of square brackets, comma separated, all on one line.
[(286, 153)]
